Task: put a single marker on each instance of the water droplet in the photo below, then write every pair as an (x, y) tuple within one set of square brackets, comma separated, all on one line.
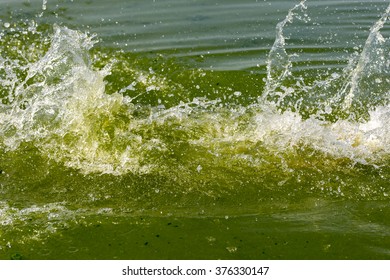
[(231, 249), (211, 238)]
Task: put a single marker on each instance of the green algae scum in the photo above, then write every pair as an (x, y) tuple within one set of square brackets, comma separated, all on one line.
[(194, 129)]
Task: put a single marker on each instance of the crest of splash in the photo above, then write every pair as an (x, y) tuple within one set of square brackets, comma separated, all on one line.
[(279, 62), (370, 77)]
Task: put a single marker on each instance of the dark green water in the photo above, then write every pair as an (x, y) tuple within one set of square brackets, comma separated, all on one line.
[(194, 130)]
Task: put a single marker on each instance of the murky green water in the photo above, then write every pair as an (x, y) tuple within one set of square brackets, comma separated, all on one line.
[(194, 130)]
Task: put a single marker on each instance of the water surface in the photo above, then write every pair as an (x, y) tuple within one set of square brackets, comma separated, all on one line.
[(194, 130)]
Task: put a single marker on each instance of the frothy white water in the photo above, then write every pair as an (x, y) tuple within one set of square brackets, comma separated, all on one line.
[(365, 143)]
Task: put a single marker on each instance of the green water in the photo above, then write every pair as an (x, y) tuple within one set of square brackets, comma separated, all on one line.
[(194, 130)]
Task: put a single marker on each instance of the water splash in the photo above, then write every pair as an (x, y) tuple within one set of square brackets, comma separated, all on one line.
[(57, 102), (279, 62), (360, 88), (369, 77)]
